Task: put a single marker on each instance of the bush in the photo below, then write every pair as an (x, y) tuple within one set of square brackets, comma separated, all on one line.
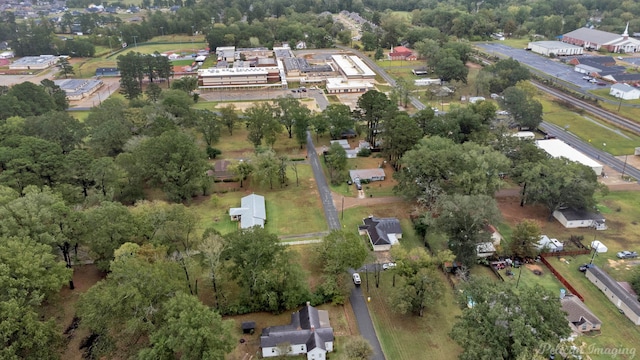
[(364, 152), (213, 152)]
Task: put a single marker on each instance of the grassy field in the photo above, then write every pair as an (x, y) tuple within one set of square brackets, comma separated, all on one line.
[(519, 43), (80, 115), (590, 129)]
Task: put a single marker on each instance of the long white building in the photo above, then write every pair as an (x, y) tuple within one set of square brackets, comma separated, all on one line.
[(352, 67), (558, 148), (556, 48)]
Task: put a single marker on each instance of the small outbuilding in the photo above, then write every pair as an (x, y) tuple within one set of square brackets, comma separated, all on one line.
[(599, 246), (248, 327), (546, 244)]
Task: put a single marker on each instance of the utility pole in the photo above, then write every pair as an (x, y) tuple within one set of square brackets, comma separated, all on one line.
[(162, 30), (620, 103), (135, 41), (624, 167)]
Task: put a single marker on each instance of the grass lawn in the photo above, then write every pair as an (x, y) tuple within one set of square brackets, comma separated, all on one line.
[(284, 206), (590, 129), (80, 115), (409, 336), (519, 43)]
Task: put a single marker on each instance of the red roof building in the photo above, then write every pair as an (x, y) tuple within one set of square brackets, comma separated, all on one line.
[(402, 53)]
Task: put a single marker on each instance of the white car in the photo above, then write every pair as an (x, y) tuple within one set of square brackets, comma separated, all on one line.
[(387, 266), (356, 279), (586, 78)]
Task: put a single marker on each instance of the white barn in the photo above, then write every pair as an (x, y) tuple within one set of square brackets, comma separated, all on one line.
[(555, 48), (557, 148)]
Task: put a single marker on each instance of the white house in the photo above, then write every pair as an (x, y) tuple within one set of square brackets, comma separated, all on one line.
[(308, 333), (382, 232), (252, 212), (624, 91), (485, 249), (572, 218), (376, 174), (626, 302)]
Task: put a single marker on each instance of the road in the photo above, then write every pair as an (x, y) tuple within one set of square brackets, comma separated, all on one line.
[(358, 303), (589, 150), (606, 115)]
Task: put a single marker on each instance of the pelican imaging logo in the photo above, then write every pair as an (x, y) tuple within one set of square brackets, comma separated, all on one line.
[(570, 351)]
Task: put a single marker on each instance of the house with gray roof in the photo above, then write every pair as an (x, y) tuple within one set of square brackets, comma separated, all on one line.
[(382, 232), (308, 333), (581, 319), (625, 92), (252, 212), (626, 302)]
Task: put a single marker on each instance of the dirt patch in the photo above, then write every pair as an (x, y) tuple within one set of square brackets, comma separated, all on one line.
[(471, 65), (536, 269)]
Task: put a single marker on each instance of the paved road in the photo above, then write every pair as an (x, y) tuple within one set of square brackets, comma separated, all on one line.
[(358, 303), (591, 151), (330, 212)]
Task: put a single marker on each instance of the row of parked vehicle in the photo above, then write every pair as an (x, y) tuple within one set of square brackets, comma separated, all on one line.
[(386, 266)]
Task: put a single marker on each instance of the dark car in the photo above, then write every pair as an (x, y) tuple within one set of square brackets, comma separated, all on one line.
[(584, 267), (602, 84)]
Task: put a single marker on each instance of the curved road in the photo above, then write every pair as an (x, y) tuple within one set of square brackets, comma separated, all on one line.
[(358, 303)]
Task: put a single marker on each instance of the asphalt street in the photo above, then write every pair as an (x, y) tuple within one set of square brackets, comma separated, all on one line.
[(556, 70), (330, 212), (591, 151)]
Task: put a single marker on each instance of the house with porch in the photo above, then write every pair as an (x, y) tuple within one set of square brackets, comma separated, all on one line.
[(382, 232), (581, 319), (308, 333), (252, 212)]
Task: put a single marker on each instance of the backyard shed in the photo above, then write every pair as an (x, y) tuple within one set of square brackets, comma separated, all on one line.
[(600, 247), (248, 327)]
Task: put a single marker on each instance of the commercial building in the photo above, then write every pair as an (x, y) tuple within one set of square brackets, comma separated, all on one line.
[(352, 67), (557, 148), (342, 86), (597, 39), (34, 62), (77, 89), (555, 48), (224, 78), (625, 92), (402, 53)]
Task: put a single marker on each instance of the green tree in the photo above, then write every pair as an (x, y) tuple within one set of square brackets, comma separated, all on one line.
[(33, 99), (512, 321), (173, 162), (186, 83), (337, 118), (125, 307), (178, 103), (211, 248), (379, 54), (153, 92), (373, 107), (24, 336), (266, 168), (104, 237), (263, 268), (191, 331), (338, 252), (242, 170), (369, 41), (524, 238), (558, 183), (449, 68), (336, 161), (505, 73), (229, 117), (108, 128), (33, 162), (289, 111), (437, 165), (132, 72), (66, 69), (262, 124), (208, 124), (59, 96), (357, 348), (77, 165), (106, 175), (462, 218), (400, 134), (635, 280), (320, 124), (30, 273), (526, 112), (420, 286), (58, 127)]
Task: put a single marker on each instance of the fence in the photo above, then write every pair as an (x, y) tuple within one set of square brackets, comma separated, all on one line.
[(566, 253), (560, 278)]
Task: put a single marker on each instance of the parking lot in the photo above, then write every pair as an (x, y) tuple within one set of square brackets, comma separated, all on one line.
[(554, 68)]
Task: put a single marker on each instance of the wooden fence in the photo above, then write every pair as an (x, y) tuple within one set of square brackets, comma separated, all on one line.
[(561, 278), (566, 253)]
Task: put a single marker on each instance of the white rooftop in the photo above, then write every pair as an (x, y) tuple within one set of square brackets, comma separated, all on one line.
[(352, 65), (233, 71), (558, 148)]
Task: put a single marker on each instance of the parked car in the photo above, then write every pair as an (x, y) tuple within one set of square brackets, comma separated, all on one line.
[(602, 84), (593, 81), (586, 78), (584, 267), (627, 254), (388, 266), (356, 279)]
